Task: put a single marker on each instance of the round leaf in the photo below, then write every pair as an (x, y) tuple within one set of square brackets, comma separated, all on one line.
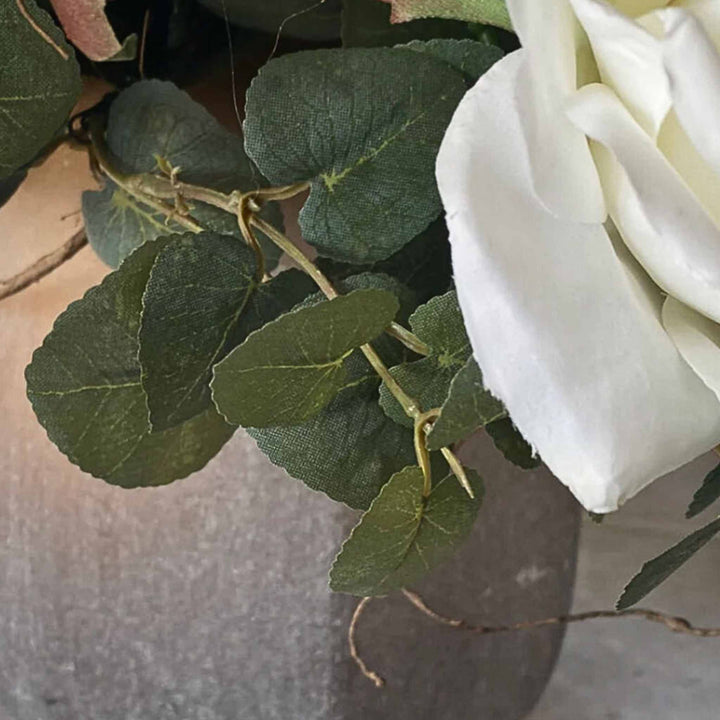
[(365, 126)]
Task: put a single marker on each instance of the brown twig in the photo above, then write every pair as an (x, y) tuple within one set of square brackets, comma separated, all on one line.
[(364, 669), (674, 624), (44, 266)]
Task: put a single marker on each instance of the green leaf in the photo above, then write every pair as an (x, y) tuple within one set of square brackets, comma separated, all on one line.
[(403, 535), (201, 301), (39, 83), (293, 367), (656, 571), (512, 444), (468, 406), (423, 265), (439, 324), (85, 387), (154, 119), (473, 59), (364, 125), (350, 449), (366, 23), (486, 12), (708, 493)]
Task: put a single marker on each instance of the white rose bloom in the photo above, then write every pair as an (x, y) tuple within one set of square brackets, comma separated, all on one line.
[(581, 181)]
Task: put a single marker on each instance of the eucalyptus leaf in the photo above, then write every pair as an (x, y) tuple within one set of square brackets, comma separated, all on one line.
[(708, 494), (288, 371), (202, 300), (151, 120), (656, 571), (473, 59), (85, 387), (351, 448), (423, 265), (439, 324), (404, 535), (364, 126), (468, 406), (39, 83), (512, 444)]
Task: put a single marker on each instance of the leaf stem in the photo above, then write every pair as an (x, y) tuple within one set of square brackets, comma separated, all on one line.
[(409, 339), (409, 405), (146, 188), (292, 251)]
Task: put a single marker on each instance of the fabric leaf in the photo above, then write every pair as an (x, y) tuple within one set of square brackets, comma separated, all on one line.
[(404, 535), (364, 126), (85, 387), (39, 83), (289, 370)]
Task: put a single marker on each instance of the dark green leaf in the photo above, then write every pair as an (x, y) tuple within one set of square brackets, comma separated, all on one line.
[(350, 449), (366, 23), (84, 385), (154, 119), (656, 571), (512, 445), (469, 57), (439, 324), (468, 406), (364, 125), (39, 83), (708, 493), (201, 301), (289, 370), (423, 265), (403, 535)]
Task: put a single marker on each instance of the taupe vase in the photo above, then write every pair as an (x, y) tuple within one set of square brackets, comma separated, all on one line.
[(207, 600)]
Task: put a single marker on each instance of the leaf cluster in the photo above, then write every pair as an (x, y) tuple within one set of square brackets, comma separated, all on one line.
[(144, 379)]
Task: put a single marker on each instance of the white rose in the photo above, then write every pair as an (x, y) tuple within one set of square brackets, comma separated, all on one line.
[(581, 181)]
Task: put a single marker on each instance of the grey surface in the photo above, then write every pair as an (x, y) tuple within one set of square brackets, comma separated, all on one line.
[(208, 599), (631, 669)]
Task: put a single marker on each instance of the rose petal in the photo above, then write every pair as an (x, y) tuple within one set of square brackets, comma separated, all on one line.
[(564, 337), (707, 12), (630, 60), (697, 338), (660, 219), (693, 66), (563, 172), (690, 165)]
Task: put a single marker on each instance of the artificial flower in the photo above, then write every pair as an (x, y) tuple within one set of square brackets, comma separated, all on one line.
[(581, 183)]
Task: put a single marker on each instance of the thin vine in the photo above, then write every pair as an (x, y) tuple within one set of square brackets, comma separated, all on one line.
[(674, 624)]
